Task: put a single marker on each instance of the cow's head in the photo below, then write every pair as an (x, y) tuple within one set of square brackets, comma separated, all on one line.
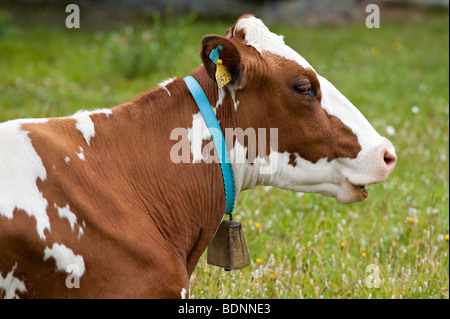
[(325, 145)]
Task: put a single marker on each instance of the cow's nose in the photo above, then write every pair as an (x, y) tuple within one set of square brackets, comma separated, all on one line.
[(390, 158)]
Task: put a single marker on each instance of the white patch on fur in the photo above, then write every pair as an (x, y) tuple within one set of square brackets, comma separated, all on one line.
[(67, 159), (20, 167), (221, 95), (242, 171), (164, 83), (259, 36), (81, 154), (85, 124), (80, 231), (196, 135), (11, 285), (183, 293), (71, 217), (335, 103), (322, 177), (107, 112), (67, 214), (305, 177), (233, 96), (247, 176), (65, 259)]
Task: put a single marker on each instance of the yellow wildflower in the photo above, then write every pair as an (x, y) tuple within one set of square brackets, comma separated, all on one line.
[(363, 254), (257, 225), (446, 237), (258, 260), (342, 244), (398, 47), (376, 51)]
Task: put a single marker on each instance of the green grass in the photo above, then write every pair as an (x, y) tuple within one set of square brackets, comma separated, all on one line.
[(301, 246)]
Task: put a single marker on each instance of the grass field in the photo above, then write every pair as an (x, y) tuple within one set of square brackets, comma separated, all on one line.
[(301, 245)]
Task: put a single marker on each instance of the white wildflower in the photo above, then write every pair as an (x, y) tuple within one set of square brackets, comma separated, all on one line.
[(389, 130)]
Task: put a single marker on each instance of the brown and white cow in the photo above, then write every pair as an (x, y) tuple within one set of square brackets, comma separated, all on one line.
[(93, 205)]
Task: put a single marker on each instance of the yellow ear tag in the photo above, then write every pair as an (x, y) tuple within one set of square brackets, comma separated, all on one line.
[(223, 76)]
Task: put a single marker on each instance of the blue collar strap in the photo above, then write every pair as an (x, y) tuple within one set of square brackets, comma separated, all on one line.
[(218, 139)]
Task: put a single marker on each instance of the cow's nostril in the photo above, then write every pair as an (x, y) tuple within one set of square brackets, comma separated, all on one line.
[(390, 158)]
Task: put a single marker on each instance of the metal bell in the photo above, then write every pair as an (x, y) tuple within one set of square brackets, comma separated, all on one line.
[(227, 248)]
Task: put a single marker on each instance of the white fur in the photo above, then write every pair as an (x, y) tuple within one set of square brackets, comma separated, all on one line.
[(233, 96), (196, 135), (85, 124), (20, 168), (259, 36), (65, 259), (164, 84), (65, 212), (81, 154), (221, 94), (10, 285), (183, 293), (322, 177)]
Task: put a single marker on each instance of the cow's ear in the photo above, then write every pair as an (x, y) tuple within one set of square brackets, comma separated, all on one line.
[(227, 52)]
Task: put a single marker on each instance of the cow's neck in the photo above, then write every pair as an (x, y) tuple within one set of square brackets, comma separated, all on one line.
[(169, 111), (228, 108), (200, 203)]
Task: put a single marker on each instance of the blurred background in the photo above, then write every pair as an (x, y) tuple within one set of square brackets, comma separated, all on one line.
[(106, 13), (135, 44), (301, 245)]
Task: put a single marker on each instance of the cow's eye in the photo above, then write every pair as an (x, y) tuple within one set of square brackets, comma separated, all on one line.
[(305, 88)]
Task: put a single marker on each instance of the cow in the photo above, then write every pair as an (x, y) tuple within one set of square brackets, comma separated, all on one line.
[(97, 204)]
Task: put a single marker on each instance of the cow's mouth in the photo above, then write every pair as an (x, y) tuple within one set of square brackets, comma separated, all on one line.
[(352, 192), (363, 190)]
